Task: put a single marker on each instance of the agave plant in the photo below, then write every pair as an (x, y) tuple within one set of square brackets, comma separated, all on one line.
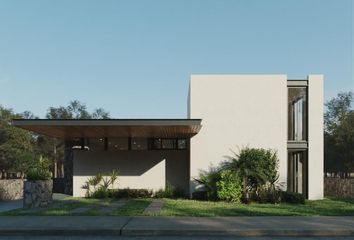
[(113, 177), (87, 187), (96, 180)]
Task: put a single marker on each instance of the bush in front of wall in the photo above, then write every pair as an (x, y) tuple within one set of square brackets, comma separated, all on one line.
[(229, 187), (40, 171), (170, 192), (200, 195), (98, 186), (267, 194), (256, 166), (131, 193), (208, 180), (101, 192), (292, 197)]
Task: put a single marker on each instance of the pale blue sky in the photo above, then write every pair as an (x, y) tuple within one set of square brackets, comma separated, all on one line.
[(134, 58)]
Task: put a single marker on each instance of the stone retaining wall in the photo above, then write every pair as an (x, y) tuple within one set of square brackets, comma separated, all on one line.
[(37, 193), (11, 189), (338, 187)]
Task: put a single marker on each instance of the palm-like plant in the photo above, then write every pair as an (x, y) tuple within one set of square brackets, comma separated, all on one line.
[(209, 179), (95, 180), (113, 177), (87, 187)]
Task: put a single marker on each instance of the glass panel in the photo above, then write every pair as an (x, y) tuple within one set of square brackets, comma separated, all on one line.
[(139, 144), (168, 143), (116, 144), (297, 172), (156, 144), (182, 144), (297, 113), (96, 144)]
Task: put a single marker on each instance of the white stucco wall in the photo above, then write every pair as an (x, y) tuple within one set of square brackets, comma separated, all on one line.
[(315, 137), (137, 169), (237, 111)]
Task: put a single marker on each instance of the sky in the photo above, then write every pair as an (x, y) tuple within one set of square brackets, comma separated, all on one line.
[(134, 58)]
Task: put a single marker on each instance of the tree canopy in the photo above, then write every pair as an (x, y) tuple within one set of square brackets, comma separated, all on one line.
[(20, 149), (339, 135)]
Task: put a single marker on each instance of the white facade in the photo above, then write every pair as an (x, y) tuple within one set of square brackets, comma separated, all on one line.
[(315, 136), (136, 169), (252, 110), (225, 114)]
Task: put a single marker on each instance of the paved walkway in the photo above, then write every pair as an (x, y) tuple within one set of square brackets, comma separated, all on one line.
[(155, 207), (178, 226)]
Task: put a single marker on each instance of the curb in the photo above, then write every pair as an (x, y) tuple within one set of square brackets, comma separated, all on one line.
[(241, 233), (188, 233), (60, 232)]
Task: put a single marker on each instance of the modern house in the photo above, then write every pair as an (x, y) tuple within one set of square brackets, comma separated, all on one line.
[(224, 112)]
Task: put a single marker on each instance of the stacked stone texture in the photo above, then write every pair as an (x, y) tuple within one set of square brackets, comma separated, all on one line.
[(37, 193), (11, 189), (338, 187)]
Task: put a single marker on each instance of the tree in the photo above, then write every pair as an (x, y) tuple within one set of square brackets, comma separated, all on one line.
[(337, 109), (344, 142), (19, 148), (16, 145), (100, 113), (339, 135), (76, 110)]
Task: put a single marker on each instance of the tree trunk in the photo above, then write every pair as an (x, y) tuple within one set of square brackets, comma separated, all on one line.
[(245, 193)]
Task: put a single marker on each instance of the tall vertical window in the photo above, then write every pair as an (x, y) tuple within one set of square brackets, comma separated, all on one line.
[(297, 113), (297, 172)]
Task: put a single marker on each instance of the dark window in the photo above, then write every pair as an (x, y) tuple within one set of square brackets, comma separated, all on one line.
[(297, 113), (139, 144), (156, 143), (182, 143), (168, 143), (116, 144), (96, 144)]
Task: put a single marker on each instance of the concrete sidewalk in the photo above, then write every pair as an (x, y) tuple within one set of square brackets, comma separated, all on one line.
[(178, 226)]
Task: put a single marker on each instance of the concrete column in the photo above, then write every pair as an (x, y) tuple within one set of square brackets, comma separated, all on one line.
[(315, 137)]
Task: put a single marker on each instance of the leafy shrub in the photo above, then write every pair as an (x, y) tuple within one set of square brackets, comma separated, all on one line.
[(179, 193), (200, 195), (256, 166), (170, 192), (267, 194), (252, 171), (209, 179), (101, 192), (131, 193), (229, 187), (40, 170), (292, 197)]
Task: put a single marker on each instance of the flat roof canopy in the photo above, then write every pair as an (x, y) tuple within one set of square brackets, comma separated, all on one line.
[(96, 128)]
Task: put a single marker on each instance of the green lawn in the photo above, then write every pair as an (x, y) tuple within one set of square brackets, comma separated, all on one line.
[(183, 207), (327, 207)]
